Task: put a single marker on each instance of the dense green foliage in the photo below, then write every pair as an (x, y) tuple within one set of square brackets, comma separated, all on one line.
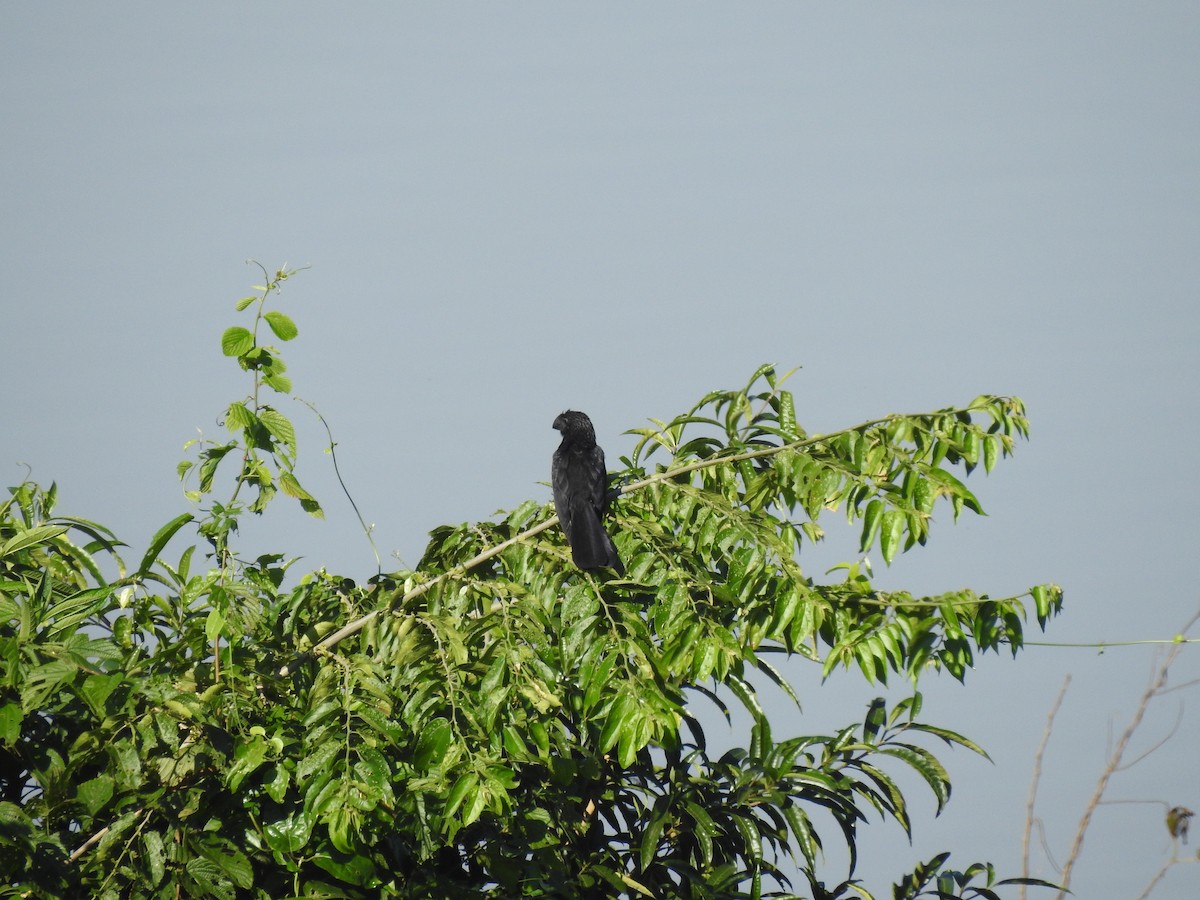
[(493, 722)]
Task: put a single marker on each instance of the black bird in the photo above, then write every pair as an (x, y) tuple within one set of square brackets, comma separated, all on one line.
[(580, 483)]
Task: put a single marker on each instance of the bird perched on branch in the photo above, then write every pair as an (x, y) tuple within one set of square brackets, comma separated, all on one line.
[(580, 483), (1178, 819)]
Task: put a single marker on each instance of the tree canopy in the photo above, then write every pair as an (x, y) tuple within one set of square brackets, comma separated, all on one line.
[(493, 721)]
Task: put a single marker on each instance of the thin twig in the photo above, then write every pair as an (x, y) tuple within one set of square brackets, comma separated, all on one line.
[(1104, 645), (1170, 734), (1158, 876), (1037, 777), (87, 845), (99, 836), (338, 473), (1183, 685)]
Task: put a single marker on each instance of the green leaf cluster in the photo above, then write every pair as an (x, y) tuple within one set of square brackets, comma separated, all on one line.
[(495, 722)]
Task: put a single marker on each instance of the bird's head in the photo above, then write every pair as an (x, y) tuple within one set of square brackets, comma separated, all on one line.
[(574, 424)]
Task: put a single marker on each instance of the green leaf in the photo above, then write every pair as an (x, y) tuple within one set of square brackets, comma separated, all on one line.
[(923, 495), (31, 538), (43, 680), (95, 793), (871, 521), (284, 328), (279, 383), (433, 743), (69, 612), (250, 755), (244, 302), (353, 868), (236, 341), (279, 426), (745, 692), (211, 458), (615, 722), (313, 508), (10, 724), (926, 765), (890, 534), (465, 785), (992, 449), (214, 624), (376, 774), (230, 862), (703, 831), (787, 416), (155, 855), (631, 882), (950, 737), (289, 484), (653, 834), (160, 540), (96, 690), (238, 417), (290, 834)]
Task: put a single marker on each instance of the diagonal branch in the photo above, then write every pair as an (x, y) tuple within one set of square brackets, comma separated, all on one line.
[(1036, 778)]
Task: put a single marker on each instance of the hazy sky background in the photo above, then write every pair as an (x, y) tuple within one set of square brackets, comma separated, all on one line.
[(513, 209)]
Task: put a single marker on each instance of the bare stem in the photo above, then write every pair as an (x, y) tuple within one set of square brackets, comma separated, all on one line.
[(1037, 777)]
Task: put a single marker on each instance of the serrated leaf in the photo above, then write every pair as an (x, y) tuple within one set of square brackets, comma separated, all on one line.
[(315, 760), (291, 486), (236, 341), (284, 328), (231, 862), (279, 383), (70, 611), (280, 427), (238, 417), (244, 302), (42, 680), (96, 690)]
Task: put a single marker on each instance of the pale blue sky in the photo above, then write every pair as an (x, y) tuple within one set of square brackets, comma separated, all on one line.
[(514, 209)]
